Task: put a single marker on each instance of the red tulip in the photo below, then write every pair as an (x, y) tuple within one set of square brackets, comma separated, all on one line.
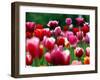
[(60, 40), (30, 26), (48, 57), (47, 32), (85, 29), (39, 26), (79, 52), (39, 33), (88, 51), (75, 30), (29, 59), (65, 28)]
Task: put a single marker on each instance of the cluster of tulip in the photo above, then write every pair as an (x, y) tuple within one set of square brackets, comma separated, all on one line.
[(56, 45)]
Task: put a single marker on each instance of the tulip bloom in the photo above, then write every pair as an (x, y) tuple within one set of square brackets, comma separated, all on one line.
[(39, 26), (33, 46), (79, 21), (52, 23), (57, 31), (59, 57), (49, 43), (76, 62), (88, 51), (86, 38), (30, 26), (47, 32), (75, 30), (86, 60), (28, 35), (80, 35), (29, 59), (73, 40), (39, 33), (68, 34), (68, 21), (60, 40), (78, 52), (85, 29)]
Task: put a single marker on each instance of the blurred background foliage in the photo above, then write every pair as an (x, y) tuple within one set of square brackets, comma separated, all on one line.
[(44, 18)]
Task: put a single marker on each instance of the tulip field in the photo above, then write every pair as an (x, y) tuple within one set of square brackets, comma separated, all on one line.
[(57, 39)]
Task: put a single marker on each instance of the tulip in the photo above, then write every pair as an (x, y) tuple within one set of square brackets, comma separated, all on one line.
[(30, 26), (68, 21), (47, 32), (75, 30), (80, 35), (48, 57), (78, 52), (85, 29), (52, 23), (68, 34), (33, 46), (73, 40), (79, 21), (39, 26), (39, 33), (86, 38), (76, 62), (57, 31), (29, 59), (49, 43), (60, 40), (88, 51), (86, 60), (59, 57)]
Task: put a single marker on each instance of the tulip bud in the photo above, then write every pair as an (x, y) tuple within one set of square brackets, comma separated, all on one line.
[(68, 21)]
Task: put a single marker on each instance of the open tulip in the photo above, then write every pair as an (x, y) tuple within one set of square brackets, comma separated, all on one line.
[(68, 21), (88, 51), (78, 52), (30, 26), (57, 31), (29, 59), (52, 23), (76, 62)]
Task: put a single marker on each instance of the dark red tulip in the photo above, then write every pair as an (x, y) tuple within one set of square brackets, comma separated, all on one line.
[(85, 29), (28, 35), (65, 28), (60, 40), (75, 30), (47, 32)]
